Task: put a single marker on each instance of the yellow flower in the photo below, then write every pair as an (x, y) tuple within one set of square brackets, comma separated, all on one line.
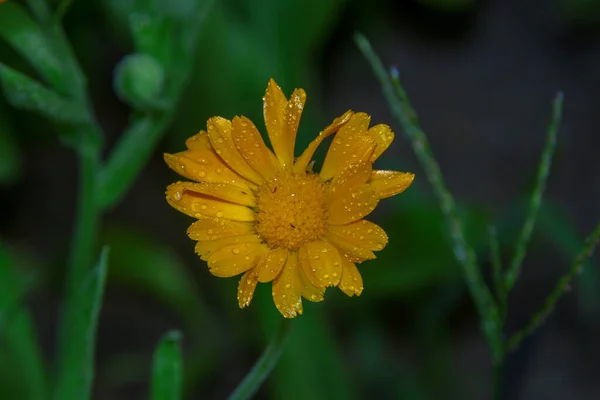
[(269, 216)]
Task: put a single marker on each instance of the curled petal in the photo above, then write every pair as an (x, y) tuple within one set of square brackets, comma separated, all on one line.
[(235, 259), (352, 282), (246, 287), (219, 132), (390, 183), (282, 118), (362, 233), (287, 288), (270, 265), (252, 148), (349, 250), (305, 158), (218, 228), (350, 145), (204, 248), (199, 205), (383, 136), (321, 263)]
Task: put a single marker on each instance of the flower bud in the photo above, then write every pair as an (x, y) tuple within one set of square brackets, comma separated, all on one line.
[(139, 80)]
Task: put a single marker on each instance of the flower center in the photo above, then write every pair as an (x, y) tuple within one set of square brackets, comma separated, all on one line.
[(291, 210)]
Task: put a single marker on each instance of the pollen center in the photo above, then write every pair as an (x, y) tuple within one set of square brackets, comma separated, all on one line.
[(291, 210)]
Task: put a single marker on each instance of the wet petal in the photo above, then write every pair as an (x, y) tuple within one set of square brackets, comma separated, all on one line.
[(321, 263), (275, 109), (350, 198), (219, 132), (287, 289), (271, 263), (350, 145), (362, 233), (218, 228), (390, 183), (221, 191), (349, 250), (204, 248), (235, 259), (352, 282), (198, 205), (252, 147), (309, 291), (305, 158), (201, 163), (383, 136), (246, 287)]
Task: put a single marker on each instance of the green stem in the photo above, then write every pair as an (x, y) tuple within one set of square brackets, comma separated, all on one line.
[(465, 255), (497, 273), (497, 384), (563, 285), (536, 196), (265, 364)]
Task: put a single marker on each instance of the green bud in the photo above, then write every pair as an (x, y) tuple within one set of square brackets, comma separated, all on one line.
[(139, 80)]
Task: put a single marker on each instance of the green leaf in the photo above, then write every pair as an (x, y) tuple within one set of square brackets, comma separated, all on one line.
[(144, 265), (28, 94), (29, 40), (167, 368), (76, 372), (18, 332)]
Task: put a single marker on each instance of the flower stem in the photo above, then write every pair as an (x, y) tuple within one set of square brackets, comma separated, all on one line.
[(465, 255), (265, 364), (562, 286), (536, 197)]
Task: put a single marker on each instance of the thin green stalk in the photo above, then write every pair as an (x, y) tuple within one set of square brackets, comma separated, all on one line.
[(265, 364), (536, 197), (465, 255), (497, 276), (562, 286)]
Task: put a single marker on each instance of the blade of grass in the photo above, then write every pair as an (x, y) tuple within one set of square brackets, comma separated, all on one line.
[(402, 110), (536, 196), (167, 375), (76, 372), (17, 329), (265, 364), (497, 275), (562, 286)]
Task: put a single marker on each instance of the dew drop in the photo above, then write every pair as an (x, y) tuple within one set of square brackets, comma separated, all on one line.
[(178, 195)]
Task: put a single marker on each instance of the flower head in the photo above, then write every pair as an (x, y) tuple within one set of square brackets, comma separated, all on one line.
[(265, 214)]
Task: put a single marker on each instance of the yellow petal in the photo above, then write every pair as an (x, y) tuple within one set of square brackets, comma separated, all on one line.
[(389, 183), (198, 205), (383, 136), (201, 164), (271, 263), (305, 158), (219, 132), (235, 259), (362, 233), (252, 147), (309, 291), (350, 198), (321, 263), (275, 111), (246, 287), (222, 191), (287, 289), (350, 145), (351, 283), (349, 250), (218, 228), (293, 113), (204, 248)]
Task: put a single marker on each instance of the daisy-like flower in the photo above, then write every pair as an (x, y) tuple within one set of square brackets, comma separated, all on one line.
[(265, 214)]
